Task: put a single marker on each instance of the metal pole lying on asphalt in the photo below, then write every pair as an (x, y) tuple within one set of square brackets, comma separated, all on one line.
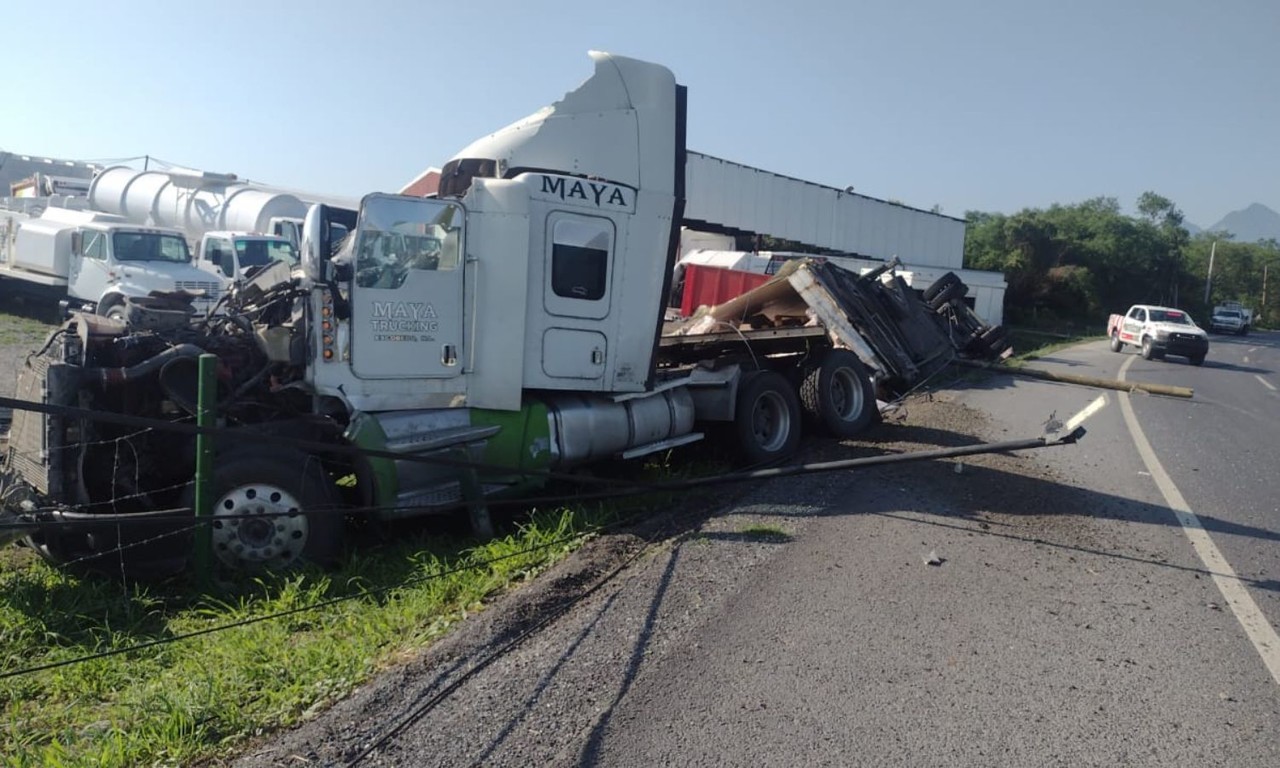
[(1056, 433), (1088, 381)]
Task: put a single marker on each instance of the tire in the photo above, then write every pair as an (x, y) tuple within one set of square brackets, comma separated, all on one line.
[(1148, 349), (995, 340), (1116, 344), (944, 297), (1244, 330), (838, 394), (766, 419), (290, 484), (115, 310), (1196, 359), (951, 278)]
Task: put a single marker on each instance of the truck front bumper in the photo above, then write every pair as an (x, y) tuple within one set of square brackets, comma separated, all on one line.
[(1184, 344)]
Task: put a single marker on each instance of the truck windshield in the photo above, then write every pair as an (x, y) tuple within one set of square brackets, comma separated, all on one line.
[(149, 246), (257, 253), (1228, 313), (1169, 316)]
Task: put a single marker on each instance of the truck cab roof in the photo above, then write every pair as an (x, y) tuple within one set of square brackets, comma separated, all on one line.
[(247, 235)]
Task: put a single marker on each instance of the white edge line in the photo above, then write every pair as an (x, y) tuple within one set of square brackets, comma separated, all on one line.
[(1263, 636), (1265, 383)]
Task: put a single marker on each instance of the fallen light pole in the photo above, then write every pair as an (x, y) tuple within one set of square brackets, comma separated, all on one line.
[(1088, 381)]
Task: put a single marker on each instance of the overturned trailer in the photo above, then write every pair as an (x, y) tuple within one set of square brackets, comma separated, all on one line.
[(454, 350)]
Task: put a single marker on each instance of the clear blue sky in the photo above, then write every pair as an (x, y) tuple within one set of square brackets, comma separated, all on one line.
[(990, 105)]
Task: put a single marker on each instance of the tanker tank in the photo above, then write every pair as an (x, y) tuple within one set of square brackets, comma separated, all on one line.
[(195, 202)]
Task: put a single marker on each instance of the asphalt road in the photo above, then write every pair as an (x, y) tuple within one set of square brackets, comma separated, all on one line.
[(1044, 608)]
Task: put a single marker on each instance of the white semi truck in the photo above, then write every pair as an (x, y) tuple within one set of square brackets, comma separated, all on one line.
[(95, 261), (465, 345)]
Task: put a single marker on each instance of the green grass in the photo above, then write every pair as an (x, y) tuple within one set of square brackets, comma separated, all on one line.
[(765, 533), (1030, 345), (17, 329), (199, 698)]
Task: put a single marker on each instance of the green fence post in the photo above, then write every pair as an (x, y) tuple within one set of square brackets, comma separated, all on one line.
[(206, 401)]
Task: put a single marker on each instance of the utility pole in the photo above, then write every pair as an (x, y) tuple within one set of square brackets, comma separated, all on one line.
[(1263, 309), (1208, 279)]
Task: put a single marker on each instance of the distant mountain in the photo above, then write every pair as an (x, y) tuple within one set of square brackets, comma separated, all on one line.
[(1191, 228), (1257, 222)]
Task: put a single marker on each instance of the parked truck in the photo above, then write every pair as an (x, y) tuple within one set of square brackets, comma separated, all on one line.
[(198, 202), (231, 256), (1231, 317), (95, 262), (464, 346), (1158, 331)]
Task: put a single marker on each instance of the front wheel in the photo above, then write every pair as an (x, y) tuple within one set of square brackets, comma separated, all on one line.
[(274, 511), (114, 311), (1148, 349), (1116, 344), (766, 418)]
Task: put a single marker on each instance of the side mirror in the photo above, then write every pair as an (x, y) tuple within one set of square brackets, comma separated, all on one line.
[(77, 243), (228, 263), (315, 243)]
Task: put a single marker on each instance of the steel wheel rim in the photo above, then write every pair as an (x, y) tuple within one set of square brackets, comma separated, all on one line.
[(846, 394), (770, 421), (262, 523)]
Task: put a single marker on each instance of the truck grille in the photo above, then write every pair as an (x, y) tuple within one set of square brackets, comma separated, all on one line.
[(210, 288), (37, 451)]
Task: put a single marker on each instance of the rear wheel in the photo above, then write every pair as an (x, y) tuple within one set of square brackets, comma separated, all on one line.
[(1116, 344), (944, 297), (951, 278), (766, 418), (996, 341), (838, 394)]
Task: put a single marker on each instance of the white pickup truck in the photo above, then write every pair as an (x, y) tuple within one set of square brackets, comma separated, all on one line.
[(1159, 331), (1231, 317)]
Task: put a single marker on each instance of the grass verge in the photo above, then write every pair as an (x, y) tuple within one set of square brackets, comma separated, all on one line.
[(175, 703)]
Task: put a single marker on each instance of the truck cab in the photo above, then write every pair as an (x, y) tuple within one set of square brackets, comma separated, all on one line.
[(1231, 317), (229, 255), (99, 260)]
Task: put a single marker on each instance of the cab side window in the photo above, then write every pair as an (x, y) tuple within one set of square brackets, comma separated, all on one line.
[(580, 258), (95, 246), (214, 249)]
